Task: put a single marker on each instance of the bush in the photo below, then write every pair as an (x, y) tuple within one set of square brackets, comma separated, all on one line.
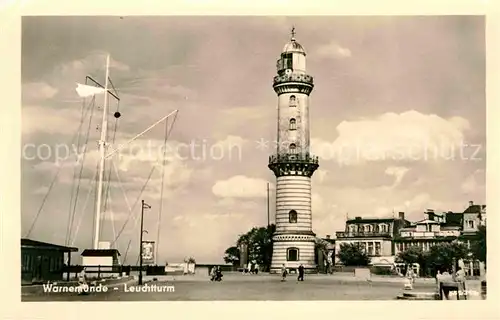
[(383, 271)]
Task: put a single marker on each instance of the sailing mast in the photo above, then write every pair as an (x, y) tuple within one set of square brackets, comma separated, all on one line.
[(102, 150)]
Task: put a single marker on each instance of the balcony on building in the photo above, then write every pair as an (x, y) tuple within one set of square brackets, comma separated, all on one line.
[(293, 77), (294, 158)]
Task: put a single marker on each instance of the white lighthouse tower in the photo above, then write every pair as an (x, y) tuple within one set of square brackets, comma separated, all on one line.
[(293, 165)]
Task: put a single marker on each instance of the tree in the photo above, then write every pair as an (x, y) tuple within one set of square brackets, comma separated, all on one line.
[(414, 254), (259, 244), (320, 252), (232, 256), (445, 255), (351, 254), (478, 245)]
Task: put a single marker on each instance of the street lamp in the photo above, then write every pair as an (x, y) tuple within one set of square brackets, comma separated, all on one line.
[(144, 206)]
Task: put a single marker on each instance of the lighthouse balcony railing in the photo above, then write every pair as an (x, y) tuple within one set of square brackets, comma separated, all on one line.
[(294, 158), (304, 78)]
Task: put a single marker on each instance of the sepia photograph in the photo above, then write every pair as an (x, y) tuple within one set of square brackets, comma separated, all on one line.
[(253, 158)]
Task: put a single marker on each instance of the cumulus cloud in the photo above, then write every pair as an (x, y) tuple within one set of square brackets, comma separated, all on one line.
[(240, 187), (333, 50), (408, 136)]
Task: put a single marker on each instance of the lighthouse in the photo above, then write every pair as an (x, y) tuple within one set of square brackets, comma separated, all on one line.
[(292, 164)]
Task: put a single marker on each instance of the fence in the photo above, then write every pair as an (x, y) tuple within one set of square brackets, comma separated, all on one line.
[(110, 270)]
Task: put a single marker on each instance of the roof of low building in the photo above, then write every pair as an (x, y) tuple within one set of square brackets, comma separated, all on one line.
[(29, 243), (454, 219), (100, 253)]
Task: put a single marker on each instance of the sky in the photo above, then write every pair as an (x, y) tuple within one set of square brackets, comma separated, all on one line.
[(397, 117)]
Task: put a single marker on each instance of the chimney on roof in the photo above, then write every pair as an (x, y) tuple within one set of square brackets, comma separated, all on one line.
[(471, 203), (328, 236), (401, 215), (358, 218)]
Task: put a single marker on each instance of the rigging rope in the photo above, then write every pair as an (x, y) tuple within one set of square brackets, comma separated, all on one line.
[(72, 214), (74, 173), (106, 197), (135, 204), (91, 188), (167, 134), (143, 188), (51, 186)]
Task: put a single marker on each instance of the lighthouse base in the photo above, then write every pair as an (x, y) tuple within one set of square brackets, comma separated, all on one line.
[(293, 251)]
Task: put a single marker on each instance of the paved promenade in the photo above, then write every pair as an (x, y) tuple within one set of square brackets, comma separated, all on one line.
[(236, 286)]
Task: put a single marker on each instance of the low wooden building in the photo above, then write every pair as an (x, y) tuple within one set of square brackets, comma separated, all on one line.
[(42, 262), (101, 262)]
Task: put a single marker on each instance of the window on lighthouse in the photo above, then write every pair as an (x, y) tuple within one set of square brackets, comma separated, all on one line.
[(292, 254), (293, 124), (293, 148), (293, 101), (292, 216)]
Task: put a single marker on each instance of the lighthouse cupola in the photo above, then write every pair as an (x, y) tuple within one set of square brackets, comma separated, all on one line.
[(293, 57)]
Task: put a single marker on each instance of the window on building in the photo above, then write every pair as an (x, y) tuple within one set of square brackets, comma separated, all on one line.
[(287, 61), (293, 124), (363, 246), (476, 268), (293, 148), (292, 216), (377, 248), (376, 228), (384, 228), (471, 224), (370, 248), (352, 229), (293, 101), (24, 263), (368, 228), (292, 254)]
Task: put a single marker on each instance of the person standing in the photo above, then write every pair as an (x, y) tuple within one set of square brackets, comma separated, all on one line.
[(283, 273), (460, 278), (301, 273), (82, 282)]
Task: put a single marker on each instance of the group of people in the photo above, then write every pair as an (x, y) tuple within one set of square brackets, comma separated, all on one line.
[(444, 279), (284, 272), (216, 274)]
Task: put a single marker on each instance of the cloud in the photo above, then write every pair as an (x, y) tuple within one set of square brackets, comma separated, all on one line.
[(320, 175), (398, 173), (37, 91), (240, 187), (408, 136), (474, 183), (333, 50)]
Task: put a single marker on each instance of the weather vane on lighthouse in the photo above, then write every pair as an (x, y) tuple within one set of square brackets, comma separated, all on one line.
[(293, 33)]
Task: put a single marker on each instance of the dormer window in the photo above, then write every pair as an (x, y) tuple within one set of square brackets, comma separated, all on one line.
[(293, 101), (293, 148), (471, 224), (293, 124)]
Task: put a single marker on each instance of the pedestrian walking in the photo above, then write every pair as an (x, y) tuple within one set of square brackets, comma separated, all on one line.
[(212, 273), (283, 273), (301, 273)]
